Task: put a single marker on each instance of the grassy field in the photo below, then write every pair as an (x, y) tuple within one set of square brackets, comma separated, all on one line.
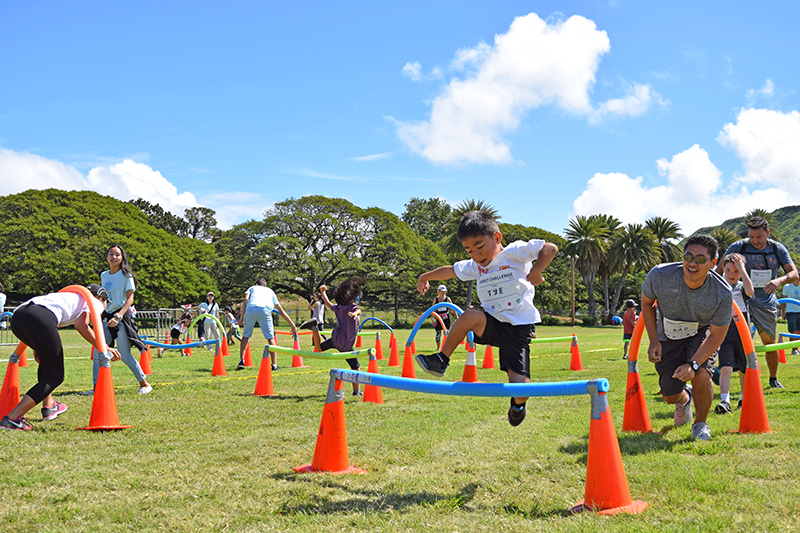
[(206, 455)]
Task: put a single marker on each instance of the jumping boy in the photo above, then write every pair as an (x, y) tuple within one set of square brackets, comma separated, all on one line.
[(505, 280)]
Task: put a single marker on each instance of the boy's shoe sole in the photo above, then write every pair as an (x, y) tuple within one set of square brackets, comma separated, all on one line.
[(723, 408), (431, 364), (50, 413), (516, 416)]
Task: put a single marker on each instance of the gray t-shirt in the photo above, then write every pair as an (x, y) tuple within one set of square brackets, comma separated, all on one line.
[(709, 304), (771, 258)]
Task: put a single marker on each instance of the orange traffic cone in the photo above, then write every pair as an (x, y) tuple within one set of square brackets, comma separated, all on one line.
[(297, 361), (607, 490), (636, 416), (408, 364), (575, 364), (378, 347), (188, 350), (394, 357), (248, 356), (219, 365), (149, 353), (264, 381), (753, 417), (414, 347), (488, 358), (104, 415), (373, 393), (471, 367), (330, 454), (144, 362), (358, 341), (9, 396), (225, 349), (23, 359)]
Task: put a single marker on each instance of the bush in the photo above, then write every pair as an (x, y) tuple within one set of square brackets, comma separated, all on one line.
[(550, 321), (589, 321)]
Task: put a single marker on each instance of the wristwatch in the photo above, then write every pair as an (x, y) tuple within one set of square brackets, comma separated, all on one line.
[(694, 364)]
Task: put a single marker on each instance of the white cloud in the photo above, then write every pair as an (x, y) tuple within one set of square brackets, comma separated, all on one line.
[(533, 64), (20, 171), (767, 90), (373, 157), (637, 100), (412, 71), (235, 207)]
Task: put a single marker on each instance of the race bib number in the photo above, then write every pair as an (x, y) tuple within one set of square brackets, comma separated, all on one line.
[(678, 329), (499, 291), (760, 278)]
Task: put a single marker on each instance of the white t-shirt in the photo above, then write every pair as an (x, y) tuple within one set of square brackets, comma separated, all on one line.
[(2, 301), (210, 309), (503, 289), (319, 312), (67, 306), (117, 286), (258, 296)]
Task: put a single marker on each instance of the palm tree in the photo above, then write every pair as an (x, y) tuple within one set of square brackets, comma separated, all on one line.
[(724, 237), (666, 233), (452, 246), (587, 242), (634, 245), (608, 267)]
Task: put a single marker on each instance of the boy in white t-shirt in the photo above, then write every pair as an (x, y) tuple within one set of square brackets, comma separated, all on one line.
[(505, 281)]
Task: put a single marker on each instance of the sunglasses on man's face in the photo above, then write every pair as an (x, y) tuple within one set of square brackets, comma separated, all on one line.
[(699, 259)]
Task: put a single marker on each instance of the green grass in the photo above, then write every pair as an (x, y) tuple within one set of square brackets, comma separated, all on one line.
[(206, 455)]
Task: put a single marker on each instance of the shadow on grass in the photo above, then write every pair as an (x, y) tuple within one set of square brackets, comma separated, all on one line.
[(294, 397), (630, 443)]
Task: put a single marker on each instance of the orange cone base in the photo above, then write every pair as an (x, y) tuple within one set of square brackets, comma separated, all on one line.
[(144, 362), (9, 397), (104, 415), (297, 362), (103, 428), (264, 385), (782, 356), (409, 371), (470, 374), (219, 367), (636, 417), (576, 365), (373, 394), (636, 507), (304, 469)]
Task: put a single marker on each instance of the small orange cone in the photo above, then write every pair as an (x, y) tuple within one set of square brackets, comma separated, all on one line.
[(576, 363), (358, 341), (636, 416), (488, 358), (9, 396), (378, 347), (414, 347), (144, 362), (330, 454), (149, 353), (104, 415), (471, 367), (373, 393), (394, 357), (264, 381), (248, 356), (607, 490), (753, 417), (188, 350), (408, 364), (297, 361), (225, 349), (219, 365), (23, 359)]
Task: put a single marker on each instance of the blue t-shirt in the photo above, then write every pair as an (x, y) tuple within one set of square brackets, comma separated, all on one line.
[(792, 291), (117, 286), (768, 260)]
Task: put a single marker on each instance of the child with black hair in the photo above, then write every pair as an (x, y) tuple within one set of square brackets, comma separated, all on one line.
[(505, 281), (233, 325), (36, 323), (347, 295), (178, 329)]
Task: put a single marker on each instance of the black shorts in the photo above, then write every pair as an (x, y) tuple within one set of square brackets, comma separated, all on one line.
[(353, 361), (677, 353), (438, 326), (513, 343), (627, 336), (731, 351), (175, 334)]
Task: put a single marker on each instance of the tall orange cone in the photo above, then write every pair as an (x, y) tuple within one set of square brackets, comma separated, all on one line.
[(373, 393), (188, 350), (225, 349), (576, 363), (9, 396), (408, 364), (264, 381), (636, 416), (104, 415), (378, 347), (297, 361), (144, 362), (219, 364), (471, 367), (358, 341), (607, 490), (488, 357), (394, 357), (248, 356), (753, 417), (330, 454), (23, 359)]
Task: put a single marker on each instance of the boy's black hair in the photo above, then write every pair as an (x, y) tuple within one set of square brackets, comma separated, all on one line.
[(758, 223), (98, 291), (347, 291), (709, 242), (476, 224)]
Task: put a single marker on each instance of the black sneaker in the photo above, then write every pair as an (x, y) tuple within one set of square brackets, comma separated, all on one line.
[(308, 324), (275, 367), (240, 366), (434, 364), (775, 384), (740, 403), (516, 413), (358, 393), (19, 424), (723, 408)]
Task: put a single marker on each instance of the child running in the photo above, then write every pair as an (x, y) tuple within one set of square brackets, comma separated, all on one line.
[(178, 329), (233, 325), (343, 336), (731, 351), (36, 323), (505, 279)]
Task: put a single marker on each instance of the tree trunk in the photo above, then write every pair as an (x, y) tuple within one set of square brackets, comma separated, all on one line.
[(591, 301), (395, 308), (618, 291)]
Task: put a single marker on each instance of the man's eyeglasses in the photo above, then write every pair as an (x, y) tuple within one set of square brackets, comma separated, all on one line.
[(699, 259)]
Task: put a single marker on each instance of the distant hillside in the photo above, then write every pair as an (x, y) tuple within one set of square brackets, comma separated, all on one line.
[(787, 220)]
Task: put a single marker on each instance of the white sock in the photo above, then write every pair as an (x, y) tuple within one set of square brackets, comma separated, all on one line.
[(725, 397)]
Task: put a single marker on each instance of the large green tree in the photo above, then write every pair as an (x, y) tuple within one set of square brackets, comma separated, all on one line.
[(428, 217), (158, 217), (667, 233), (587, 242), (633, 246)]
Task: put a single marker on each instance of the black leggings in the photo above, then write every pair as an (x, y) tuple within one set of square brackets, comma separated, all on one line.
[(37, 327)]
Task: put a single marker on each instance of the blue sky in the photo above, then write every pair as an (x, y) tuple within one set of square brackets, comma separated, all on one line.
[(544, 109)]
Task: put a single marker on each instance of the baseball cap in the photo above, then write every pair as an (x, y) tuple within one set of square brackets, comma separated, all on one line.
[(98, 291), (209, 293), (442, 288), (630, 303)]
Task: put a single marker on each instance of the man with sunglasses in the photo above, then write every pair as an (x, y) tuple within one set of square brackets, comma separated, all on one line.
[(762, 259), (686, 326)]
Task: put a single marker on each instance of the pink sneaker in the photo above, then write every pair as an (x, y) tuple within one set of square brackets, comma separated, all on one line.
[(19, 424), (50, 413)]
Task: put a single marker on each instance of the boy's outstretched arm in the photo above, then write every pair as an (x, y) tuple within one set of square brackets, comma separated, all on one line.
[(286, 317), (546, 255), (441, 273)]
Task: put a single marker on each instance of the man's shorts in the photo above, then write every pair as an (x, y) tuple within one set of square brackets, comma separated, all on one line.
[(731, 352), (765, 319), (263, 316), (677, 353), (793, 320), (513, 343)]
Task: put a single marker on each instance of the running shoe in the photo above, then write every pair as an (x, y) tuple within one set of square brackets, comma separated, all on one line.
[(275, 367), (240, 366), (516, 413), (683, 413), (723, 408), (147, 389), (434, 364), (358, 393), (19, 424), (700, 431), (775, 384), (308, 324), (49, 413)]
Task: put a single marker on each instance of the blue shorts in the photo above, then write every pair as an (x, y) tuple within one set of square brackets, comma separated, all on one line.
[(263, 316), (793, 320)]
